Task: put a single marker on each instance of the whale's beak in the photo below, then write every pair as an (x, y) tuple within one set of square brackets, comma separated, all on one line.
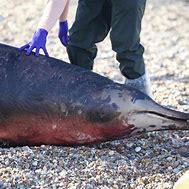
[(145, 121)]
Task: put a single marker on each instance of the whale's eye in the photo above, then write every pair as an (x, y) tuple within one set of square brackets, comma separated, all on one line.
[(102, 114)]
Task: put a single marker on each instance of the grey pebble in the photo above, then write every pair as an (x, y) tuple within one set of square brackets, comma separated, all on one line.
[(138, 149)]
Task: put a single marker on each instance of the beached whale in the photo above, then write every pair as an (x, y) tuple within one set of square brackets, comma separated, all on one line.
[(47, 101)]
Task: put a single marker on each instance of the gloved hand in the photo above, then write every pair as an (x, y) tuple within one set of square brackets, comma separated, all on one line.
[(63, 32), (38, 42)]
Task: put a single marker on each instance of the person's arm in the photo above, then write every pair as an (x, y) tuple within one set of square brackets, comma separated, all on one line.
[(52, 12), (63, 25), (64, 15)]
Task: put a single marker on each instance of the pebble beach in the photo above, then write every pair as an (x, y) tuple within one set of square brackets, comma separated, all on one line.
[(153, 160)]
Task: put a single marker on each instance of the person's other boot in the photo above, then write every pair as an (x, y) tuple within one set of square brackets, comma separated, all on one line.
[(142, 84)]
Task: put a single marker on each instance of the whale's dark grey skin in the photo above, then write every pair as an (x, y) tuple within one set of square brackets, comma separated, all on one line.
[(47, 101)]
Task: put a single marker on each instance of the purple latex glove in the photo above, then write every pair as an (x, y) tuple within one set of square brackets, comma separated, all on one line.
[(63, 32), (38, 42)]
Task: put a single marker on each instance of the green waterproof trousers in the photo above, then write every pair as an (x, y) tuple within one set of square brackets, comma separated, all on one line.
[(94, 19)]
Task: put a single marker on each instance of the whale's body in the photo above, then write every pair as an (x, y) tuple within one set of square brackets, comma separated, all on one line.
[(47, 101)]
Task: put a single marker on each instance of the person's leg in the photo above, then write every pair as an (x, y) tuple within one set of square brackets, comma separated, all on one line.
[(92, 24), (125, 37)]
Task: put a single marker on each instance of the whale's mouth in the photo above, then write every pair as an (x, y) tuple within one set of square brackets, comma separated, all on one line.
[(145, 121), (171, 117)]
